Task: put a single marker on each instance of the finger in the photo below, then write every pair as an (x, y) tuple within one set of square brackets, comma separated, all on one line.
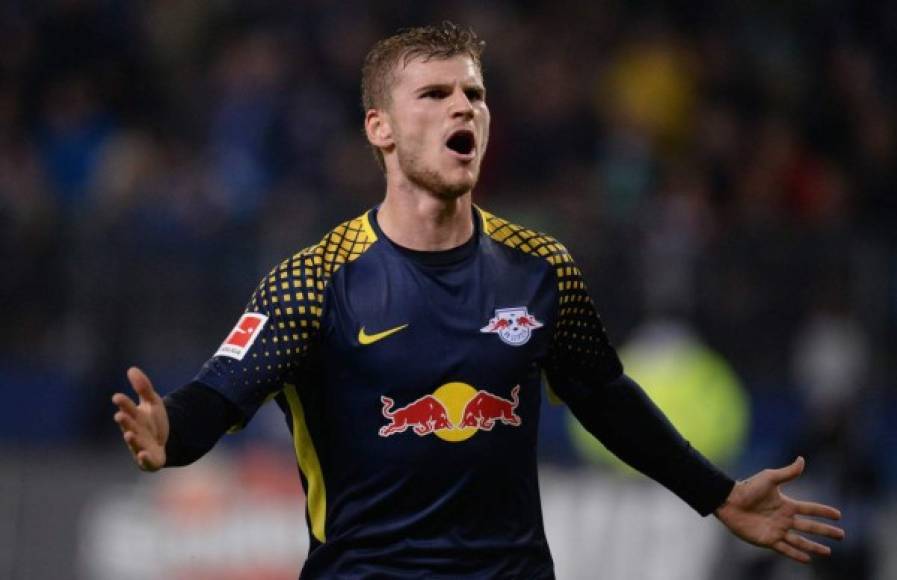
[(126, 422), (809, 508), (131, 441), (146, 456), (146, 462), (818, 528), (119, 420), (139, 440), (787, 549), (142, 460), (807, 545), (124, 403), (142, 385), (789, 473)]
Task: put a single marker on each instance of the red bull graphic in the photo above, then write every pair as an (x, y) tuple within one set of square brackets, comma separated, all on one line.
[(454, 412), (424, 416), (514, 326), (485, 409)]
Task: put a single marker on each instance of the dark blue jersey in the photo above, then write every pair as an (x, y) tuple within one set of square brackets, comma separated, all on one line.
[(411, 383)]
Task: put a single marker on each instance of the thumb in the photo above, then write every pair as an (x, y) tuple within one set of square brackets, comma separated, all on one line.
[(788, 473), (142, 385)]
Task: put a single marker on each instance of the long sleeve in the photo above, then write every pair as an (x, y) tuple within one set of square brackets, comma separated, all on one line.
[(629, 424), (197, 417), (583, 369)]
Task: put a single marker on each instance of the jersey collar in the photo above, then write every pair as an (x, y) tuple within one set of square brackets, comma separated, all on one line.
[(448, 257)]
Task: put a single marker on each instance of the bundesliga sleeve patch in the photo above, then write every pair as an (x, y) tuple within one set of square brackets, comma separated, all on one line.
[(243, 335)]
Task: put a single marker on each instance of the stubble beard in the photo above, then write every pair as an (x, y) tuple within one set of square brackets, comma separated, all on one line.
[(430, 179)]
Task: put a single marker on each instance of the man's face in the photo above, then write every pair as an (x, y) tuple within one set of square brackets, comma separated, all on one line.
[(440, 123)]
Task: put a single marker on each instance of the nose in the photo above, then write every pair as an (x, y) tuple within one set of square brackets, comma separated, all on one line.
[(461, 105)]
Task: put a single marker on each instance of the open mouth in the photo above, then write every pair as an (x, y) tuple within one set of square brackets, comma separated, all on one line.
[(462, 142)]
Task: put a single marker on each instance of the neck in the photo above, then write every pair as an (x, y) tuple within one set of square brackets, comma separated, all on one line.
[(420, 220)]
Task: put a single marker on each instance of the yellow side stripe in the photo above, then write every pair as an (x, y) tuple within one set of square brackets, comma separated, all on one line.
[(552, 396), (309, 464), (237, 427)]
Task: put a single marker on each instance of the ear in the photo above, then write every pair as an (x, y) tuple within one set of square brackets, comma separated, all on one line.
[(378, 127)]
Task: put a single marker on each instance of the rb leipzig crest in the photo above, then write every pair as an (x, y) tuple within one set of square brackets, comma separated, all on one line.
[(514, 326)]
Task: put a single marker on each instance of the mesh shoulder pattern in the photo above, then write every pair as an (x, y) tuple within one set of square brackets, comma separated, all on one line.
[(291, 298), (292, 294)]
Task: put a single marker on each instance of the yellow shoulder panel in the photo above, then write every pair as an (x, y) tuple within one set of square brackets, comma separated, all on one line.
[(528, 241)]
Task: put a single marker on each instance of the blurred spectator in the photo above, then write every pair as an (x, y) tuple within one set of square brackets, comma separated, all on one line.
[(246, 137), (71, 133)]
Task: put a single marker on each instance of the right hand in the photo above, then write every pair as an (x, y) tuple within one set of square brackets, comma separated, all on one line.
[(144, 426)]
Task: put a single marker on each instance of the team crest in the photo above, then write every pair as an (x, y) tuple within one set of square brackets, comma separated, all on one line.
[(514, 326)]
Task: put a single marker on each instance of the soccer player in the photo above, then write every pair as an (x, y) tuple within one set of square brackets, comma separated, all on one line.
[(407, 348)]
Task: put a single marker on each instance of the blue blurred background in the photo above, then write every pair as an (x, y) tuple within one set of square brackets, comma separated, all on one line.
[(725, 171)]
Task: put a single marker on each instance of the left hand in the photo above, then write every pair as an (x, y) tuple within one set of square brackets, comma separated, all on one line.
[(758, 512), (144, 426)]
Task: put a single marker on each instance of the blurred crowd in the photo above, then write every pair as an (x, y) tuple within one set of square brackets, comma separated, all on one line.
[(732, 168)]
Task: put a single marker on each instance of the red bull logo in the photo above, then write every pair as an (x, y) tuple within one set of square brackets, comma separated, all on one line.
[(454, 412), (485, 409), (514, 326), (424, 416)]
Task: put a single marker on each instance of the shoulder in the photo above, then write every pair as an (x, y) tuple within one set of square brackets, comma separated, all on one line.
[(525, 240), (343, 244), (308, 271)]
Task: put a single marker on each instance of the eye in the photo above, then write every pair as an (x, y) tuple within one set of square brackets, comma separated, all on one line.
[(434, 94), (474, 94)]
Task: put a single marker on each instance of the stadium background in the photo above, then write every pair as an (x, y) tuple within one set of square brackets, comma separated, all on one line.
[(724, 175)]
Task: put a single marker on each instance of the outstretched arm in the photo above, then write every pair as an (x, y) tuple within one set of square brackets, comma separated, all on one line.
[(584, 370), (144, 426), (632, 427), (176, 430), (758, 512), (755, 510)]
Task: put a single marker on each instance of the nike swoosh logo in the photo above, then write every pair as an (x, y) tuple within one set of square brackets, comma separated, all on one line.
[(366, 339)]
